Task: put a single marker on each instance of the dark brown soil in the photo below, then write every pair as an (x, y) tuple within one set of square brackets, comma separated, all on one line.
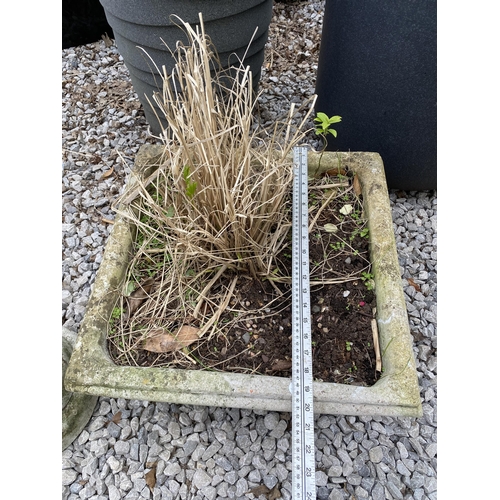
[(341, 336), (260, 343)]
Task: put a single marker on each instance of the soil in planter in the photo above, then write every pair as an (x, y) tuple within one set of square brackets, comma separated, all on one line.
[(256, 330)]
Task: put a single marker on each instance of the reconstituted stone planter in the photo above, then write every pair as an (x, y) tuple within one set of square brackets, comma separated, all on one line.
[(92, 371), (76, 408)]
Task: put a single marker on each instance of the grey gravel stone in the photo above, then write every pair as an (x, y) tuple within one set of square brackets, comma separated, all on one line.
[(114, 492), (209, 492), (201, 478), (172, 469), (394, 491), (69, 476), (378, 492), (321, 478), (271, 420), (336, 494), (376, 454), (431, 450), (241, 487), (122, 447), (255, 477)]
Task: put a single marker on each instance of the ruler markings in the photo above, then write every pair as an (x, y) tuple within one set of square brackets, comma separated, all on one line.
[(303, 461)]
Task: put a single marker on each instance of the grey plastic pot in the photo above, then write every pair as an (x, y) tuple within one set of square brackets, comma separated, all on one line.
[(397, 393), (145, 23)]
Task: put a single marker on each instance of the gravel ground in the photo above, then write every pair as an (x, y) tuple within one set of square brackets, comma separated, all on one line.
[(206, 452)]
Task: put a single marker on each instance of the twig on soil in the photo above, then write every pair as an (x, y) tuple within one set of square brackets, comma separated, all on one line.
[(203, 294), (330, 186), (220, 310)]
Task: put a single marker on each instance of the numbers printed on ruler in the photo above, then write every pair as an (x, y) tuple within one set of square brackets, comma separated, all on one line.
[(303, 461)]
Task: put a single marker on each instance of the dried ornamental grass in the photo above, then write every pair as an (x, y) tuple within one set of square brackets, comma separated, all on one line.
[(216, 207)]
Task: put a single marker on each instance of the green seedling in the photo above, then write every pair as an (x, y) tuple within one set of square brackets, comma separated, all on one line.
[(338, 246), (323, 128), (348, 345), (117, 312), (367, 279), (356, 215), (323, 124)]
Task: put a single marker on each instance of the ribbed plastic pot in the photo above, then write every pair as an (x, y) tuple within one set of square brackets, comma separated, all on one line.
[(145, 23)]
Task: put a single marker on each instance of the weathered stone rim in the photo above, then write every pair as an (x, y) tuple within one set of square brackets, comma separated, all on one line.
[(91, 370)]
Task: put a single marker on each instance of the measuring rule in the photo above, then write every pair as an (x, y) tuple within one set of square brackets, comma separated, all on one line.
[(303, 461)]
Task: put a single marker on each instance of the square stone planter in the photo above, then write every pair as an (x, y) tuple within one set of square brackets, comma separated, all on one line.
[(91, 370)]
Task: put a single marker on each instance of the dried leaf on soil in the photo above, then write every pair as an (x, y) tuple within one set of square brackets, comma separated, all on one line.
[(356, 185), (346, 209), (161, 340), (139, 295), (330, 228), (281, 364)]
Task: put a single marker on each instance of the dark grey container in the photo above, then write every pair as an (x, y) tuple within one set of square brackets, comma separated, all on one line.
[(145, 23), (377, 69)]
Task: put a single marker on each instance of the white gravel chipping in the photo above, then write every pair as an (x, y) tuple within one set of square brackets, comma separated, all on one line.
[(206, 452)]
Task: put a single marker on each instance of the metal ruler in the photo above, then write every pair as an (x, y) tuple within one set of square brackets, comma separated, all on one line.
[(303, 454)]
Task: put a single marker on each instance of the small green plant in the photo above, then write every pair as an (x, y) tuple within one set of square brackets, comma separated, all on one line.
[(363, 233), (323, 124), (117, 312), (323, 128), (340, 245), (367, 279), (348, 345)]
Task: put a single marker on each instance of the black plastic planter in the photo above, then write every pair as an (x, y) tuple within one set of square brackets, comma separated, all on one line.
[(83, 21), (377, 69), (229, 23)]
